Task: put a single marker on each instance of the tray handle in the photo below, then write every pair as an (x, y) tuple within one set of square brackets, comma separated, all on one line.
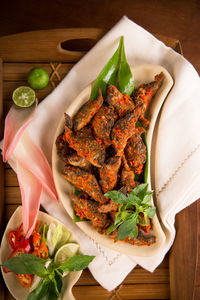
[(60, 45)]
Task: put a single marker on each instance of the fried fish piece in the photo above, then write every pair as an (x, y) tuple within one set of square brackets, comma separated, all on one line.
[(63, 148), (86, 146), (122, 103), (78, 161), (135, 151), (87, 112), (127, 175), (108, 173), (111, 206), (144, 93), (85, 181), (124, 128), (89, 209), (103, 122)]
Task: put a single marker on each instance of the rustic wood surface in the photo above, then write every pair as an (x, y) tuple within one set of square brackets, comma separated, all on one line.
[(164, 283)]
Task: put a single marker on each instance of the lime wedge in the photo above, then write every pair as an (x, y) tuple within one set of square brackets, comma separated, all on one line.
[(23, 96), (64, 253), (38, 78)]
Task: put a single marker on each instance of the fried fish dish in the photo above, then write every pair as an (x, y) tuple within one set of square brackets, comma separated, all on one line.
[(104, 152)]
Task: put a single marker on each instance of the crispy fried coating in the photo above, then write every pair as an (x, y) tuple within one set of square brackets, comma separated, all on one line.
[(108, 173), (103, 122), (85, 181), (62, 148), (135, 151), (87, 112), (127, 175), (89, 209), (124, 128), (122, 103), (78, 161), (111, 206), (144, 93), (86, 146)]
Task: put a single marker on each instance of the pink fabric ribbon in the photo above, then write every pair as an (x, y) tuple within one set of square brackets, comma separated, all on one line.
[(33, 170)]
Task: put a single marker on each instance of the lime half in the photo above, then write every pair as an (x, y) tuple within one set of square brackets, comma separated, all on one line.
[(38, 78), (64, 253), (23, 96)]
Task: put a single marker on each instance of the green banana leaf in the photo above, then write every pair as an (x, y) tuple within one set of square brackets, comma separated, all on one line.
[(117, 72)]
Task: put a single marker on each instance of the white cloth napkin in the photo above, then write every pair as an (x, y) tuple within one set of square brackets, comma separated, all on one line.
[(177, 170)]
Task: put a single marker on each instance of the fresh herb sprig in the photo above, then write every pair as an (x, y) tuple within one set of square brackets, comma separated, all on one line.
[(51, 284), (135, 209)]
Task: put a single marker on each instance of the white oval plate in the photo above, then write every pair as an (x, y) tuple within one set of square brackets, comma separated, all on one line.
[(15, 288), (142, 74)]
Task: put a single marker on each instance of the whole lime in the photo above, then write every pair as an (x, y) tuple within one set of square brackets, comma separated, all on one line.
[(38, 78)]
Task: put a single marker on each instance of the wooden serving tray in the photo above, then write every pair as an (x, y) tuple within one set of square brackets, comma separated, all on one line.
[(178, 276)]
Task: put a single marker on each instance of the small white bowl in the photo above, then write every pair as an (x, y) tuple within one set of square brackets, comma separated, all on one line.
[(15, 288), (142, 74)]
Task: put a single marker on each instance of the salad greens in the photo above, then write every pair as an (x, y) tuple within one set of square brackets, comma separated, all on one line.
[(116, 72), (135, 209), (51, 284), (56, 237)]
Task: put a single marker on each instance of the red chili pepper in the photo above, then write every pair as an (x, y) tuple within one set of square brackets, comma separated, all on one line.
[(12, 238), (42, 251), (25, 279)]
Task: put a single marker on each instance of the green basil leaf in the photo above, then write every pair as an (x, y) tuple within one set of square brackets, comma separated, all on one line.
[(53, 266), (41, 290), (133, 199), (111, 228), (151, 211), (116, 196), (57, 283), (26, 264), (125, 215), (147, 199), (117, 218), (134, 232), (116, 72), (140, 190), (76, 263), (127, 227)]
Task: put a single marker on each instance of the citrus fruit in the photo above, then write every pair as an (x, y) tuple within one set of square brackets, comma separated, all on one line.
[(64, 253), (23, 96), (38, 78)]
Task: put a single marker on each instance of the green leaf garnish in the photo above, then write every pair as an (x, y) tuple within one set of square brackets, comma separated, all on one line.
[(116, 72), (135, 209), (116, 196), (26, 264), (127, 227), (41, 290), (77, 218), (76, 263)]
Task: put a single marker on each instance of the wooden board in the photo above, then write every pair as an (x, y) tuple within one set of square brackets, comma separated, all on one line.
[(57, 51)]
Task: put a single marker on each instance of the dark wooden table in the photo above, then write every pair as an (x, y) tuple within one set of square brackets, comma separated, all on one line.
[(177, 19)]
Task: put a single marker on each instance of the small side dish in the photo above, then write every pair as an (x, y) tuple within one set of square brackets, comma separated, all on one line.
[(42, 264)]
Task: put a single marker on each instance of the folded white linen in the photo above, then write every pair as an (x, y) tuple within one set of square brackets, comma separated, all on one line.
[(177, 150)]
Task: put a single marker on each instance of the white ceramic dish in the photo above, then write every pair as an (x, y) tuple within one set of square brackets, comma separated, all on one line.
[(142, 74), (15, 288)]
